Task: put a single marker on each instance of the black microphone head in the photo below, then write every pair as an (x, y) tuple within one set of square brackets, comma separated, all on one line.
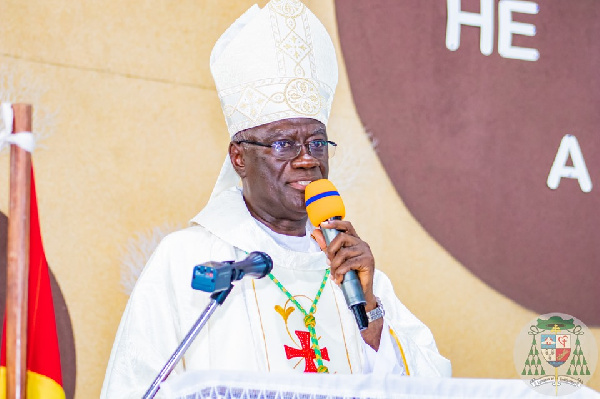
[(261, 262), (218, 276)]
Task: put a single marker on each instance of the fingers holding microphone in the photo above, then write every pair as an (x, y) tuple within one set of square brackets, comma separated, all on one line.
[(336, 237), (350, 258), (348, 252)]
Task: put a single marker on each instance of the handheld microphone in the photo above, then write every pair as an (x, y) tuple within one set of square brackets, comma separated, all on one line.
[(323, 203), (218, 276)]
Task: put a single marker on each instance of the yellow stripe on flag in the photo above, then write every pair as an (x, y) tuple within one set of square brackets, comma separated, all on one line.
[(38, 386)]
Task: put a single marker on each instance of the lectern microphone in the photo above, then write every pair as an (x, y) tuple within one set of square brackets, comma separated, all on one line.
[(218, 276)]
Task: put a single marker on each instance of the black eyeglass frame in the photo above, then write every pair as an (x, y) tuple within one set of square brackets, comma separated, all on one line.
[(307, 145)]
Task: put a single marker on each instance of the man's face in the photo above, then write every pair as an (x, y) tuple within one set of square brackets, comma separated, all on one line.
[(274, 188)]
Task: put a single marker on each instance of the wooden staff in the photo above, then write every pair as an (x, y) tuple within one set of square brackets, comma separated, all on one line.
[(18, 260)]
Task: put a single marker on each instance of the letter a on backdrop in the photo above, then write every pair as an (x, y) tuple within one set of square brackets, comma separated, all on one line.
[(569, 146)]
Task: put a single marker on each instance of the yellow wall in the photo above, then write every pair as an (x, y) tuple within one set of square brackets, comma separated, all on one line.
[(134, 138)]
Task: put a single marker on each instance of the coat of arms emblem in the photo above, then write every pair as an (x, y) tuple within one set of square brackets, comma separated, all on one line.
[(556, 348), (562, 354)]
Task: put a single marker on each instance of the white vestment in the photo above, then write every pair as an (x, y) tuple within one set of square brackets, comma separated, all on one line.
[(257, 328)]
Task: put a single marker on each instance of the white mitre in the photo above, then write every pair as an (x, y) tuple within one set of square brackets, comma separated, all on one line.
[(273, 63)]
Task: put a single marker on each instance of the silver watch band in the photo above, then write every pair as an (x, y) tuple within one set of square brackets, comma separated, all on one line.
[(376, 313)]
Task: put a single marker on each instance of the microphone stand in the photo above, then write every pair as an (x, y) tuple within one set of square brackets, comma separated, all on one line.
[(216, 299)]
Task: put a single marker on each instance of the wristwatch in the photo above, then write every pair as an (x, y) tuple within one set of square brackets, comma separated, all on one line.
[(376, 313)]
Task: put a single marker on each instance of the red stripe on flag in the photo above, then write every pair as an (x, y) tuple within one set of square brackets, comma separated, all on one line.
[(43, 355)]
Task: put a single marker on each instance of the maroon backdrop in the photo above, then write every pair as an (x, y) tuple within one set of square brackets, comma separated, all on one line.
[(468, 139)]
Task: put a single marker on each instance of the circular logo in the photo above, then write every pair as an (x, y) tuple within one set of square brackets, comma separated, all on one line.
[(555, 354), (303, 96)]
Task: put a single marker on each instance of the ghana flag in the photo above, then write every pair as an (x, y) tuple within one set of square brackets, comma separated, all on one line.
[(44, 377)]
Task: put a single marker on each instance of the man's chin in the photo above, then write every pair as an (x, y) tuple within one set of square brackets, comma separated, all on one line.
[(297, 212)]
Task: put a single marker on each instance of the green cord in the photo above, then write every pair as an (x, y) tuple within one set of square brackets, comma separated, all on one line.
[(309, 318)]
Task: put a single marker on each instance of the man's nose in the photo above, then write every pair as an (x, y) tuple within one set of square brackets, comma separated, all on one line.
[(305, 158)]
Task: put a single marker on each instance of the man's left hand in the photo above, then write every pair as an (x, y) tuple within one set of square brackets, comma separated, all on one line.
[(347, 252)]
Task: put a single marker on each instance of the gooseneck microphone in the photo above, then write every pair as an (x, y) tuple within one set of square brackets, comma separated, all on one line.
[(215, 277), (323, 203), (218, 276)]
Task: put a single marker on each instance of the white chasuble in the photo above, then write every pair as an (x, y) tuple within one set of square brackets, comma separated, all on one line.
[(286, 337), (258, 328)]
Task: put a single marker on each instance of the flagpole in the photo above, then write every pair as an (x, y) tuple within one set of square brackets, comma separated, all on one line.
[(17, 249)]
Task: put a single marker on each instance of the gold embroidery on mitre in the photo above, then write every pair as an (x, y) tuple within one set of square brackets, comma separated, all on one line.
[(297, 49), (287, 8), (293, 39), (275, 99), (294, 84), (252, 103), (303, 97)]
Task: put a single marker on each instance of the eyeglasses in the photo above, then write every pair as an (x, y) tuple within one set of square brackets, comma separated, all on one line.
[(287, 149)]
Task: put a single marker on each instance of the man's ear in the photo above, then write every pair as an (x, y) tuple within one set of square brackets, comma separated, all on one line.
[(236, 154)]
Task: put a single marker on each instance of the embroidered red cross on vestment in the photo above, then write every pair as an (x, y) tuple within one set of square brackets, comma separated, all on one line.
[(306, 352)]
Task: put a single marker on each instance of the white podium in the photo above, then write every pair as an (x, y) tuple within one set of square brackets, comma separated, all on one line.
[(250, 385)]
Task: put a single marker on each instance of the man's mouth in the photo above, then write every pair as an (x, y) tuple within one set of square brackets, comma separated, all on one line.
[(300, 184)]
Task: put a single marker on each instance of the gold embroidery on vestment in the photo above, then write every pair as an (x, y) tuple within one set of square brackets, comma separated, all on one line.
[(342, 327), (401, 351), (261, 326), (287, 309)]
